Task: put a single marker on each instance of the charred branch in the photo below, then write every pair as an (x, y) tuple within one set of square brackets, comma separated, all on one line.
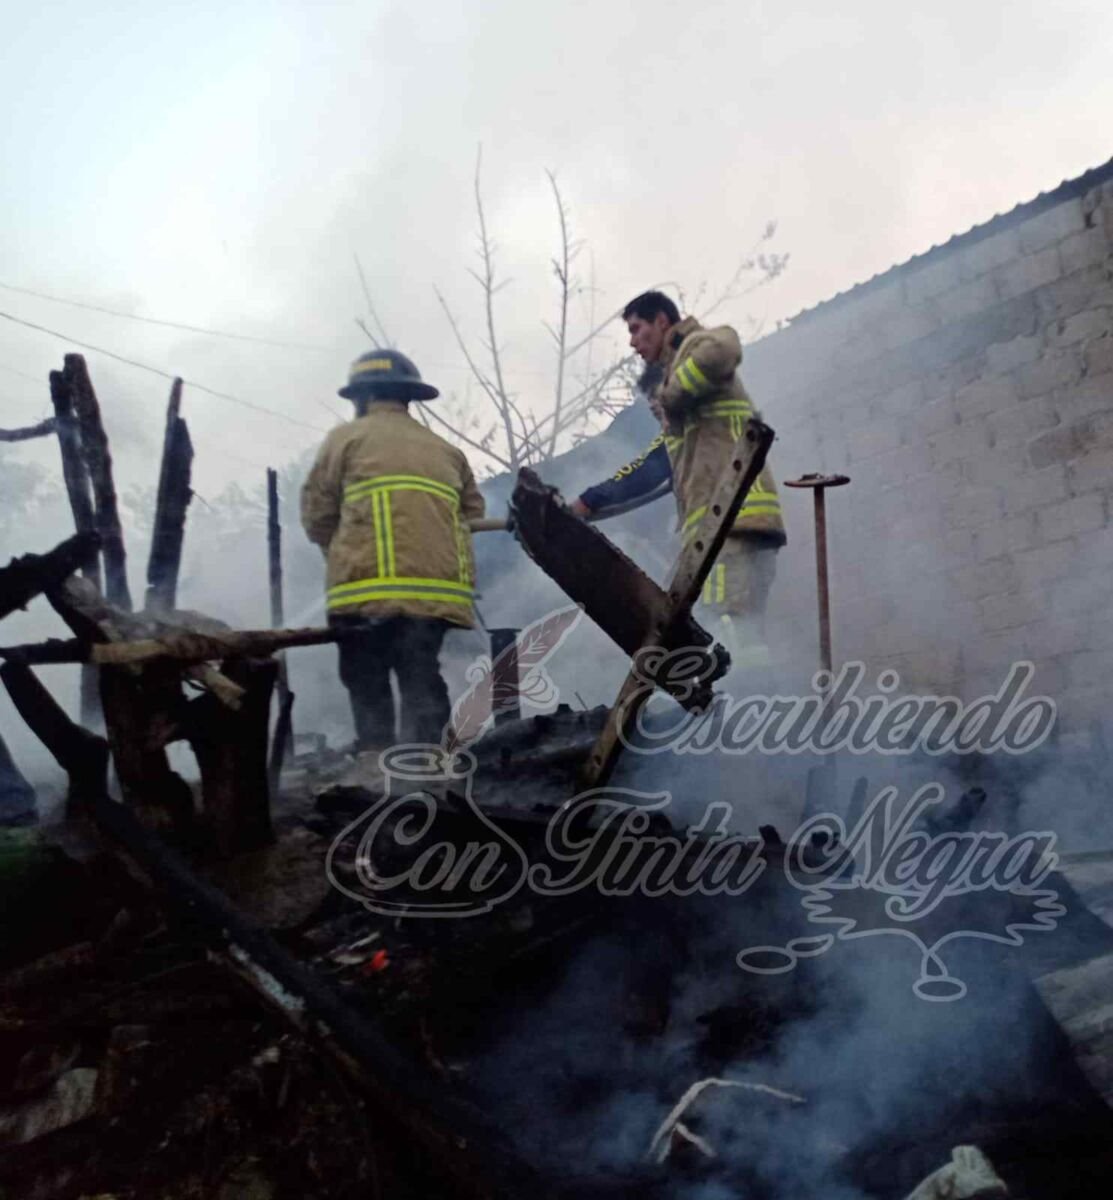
[(42, 429), (25, 577), (174, 495)]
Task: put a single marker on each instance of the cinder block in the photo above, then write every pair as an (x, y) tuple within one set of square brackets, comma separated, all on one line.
[(1028, 490), (1091, 670), (1093, 323), (958, 547), (1089, 248), (1042, 566), (1082, 514), (984, 579), (1074, 293), (1014, 426), (968, 298), (1008, 611), (1098, 355), (921, 284), (898, 401), (1058, 445), (1029, 273), (988, 253), (1089, 397), (1007, 356), (1055, 369), (986, 396), (972, 508), (963, 441), (1052, 226), (931, 418)]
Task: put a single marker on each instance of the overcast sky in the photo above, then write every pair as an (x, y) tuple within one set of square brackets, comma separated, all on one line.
[(219, 164)]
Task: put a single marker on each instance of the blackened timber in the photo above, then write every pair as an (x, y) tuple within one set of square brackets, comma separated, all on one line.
[(42, 429), (469, 1148), (98, 459), (81, 754), (25, 577), (171, 644), (231, 750), (284, 725), (618, 596), (684, 587), (174, 495)]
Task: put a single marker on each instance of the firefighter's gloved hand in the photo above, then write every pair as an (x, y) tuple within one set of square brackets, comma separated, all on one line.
[(968, 1176)]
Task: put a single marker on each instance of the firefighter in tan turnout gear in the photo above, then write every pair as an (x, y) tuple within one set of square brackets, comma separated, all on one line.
[(694, 391), (389, 502)]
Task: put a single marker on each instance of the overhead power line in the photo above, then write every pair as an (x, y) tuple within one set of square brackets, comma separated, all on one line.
[(112, 312), (65, 337)]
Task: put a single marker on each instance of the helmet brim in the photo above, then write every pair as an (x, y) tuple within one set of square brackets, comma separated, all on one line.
[(417, 391)]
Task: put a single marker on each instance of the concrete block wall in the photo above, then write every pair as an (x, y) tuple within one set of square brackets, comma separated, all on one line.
[(969, 395)]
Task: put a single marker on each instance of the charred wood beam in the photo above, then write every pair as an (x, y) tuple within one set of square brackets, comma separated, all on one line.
[(42, 429), (98, 459), (81, 754), (618, 596), (684, 587), (463, 1142), (25, 577), (181, 646), (284, 725), (80, 493), (174, 495)]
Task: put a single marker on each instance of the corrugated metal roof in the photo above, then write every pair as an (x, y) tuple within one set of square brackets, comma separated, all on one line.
[(1067, 190)]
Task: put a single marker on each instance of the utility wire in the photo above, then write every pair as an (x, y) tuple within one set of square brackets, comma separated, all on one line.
[(112, 312), (65, 337)]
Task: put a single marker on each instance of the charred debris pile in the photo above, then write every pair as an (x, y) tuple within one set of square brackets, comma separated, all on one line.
[(203, 994)]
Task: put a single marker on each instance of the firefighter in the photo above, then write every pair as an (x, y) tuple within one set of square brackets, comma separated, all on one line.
[(691, 383), (389, 502)]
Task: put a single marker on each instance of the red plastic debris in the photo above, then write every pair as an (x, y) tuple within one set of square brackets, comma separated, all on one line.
[(379, 961)]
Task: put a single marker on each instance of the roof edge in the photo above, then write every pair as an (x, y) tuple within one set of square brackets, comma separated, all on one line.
[(1069, 189)]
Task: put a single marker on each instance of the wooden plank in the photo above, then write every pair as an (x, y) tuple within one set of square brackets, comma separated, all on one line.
[(684, 588)]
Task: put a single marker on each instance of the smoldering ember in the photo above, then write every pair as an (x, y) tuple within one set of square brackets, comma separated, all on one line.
[(229, 845)]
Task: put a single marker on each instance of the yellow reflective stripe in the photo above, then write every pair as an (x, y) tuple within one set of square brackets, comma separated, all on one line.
[(391, 483), (397, 594), (410, 581), (686, 380), (694, 516), (716, 406), (707, 590), (672, 444), (380, 541), (388, 529), (720, 582), (700, 378)]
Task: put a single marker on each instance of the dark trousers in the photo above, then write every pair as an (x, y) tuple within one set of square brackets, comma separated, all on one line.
[(409, 646)]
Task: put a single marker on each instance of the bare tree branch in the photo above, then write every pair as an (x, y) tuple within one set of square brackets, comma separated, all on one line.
[(386, 340), (31, 431), (562, 268)]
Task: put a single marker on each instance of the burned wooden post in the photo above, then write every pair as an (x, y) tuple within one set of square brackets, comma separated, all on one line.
[(283, 726), (231, 750), (504, 659), (174, 495), (80, 493), (98, 460)]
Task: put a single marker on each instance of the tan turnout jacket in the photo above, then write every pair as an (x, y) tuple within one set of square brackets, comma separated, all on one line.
[(705, 409), (389, 502)]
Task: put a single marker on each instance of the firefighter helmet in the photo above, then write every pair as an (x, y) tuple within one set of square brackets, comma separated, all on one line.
[(388, 374)]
